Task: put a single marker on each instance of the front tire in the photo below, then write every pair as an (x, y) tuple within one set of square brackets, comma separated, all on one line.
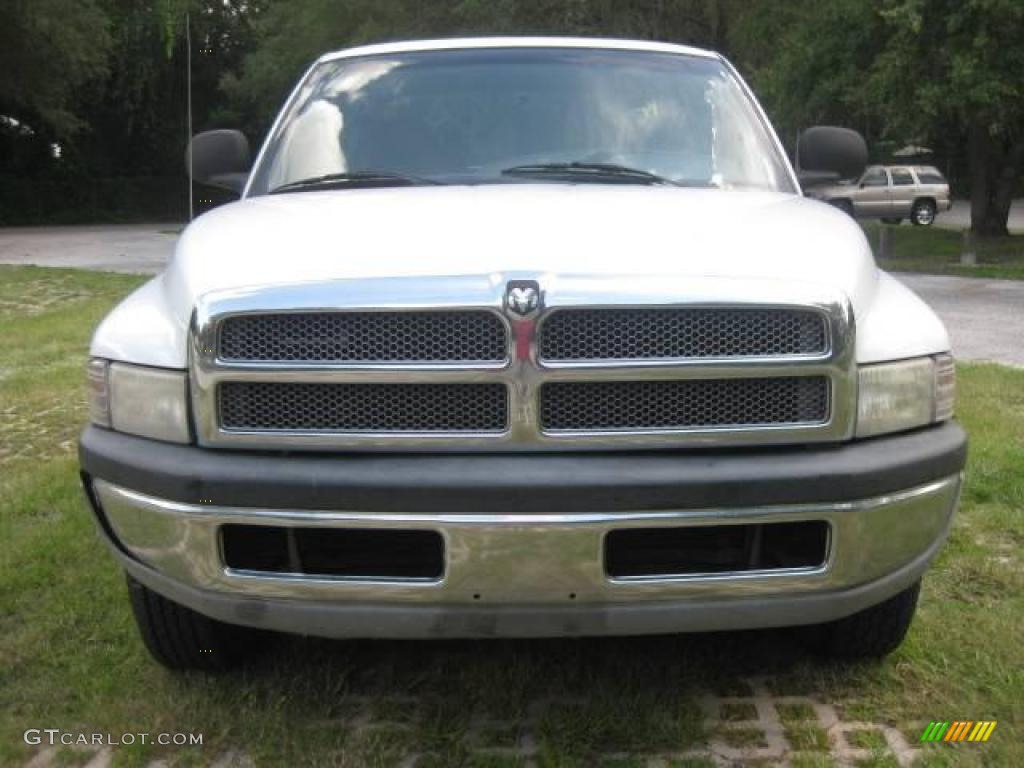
[(181, 639), (871, 633), (923, 213)]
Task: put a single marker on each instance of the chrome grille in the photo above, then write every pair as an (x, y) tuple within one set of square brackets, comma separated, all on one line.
[(684, 404), (343, 407), (680, 333), (604, 362), (354, 337)]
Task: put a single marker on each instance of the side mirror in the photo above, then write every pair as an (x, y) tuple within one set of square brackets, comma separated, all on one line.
[(219, 159), (827, 153)]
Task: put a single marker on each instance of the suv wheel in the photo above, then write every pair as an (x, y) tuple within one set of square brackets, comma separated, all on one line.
[(180, 639), (872, 633), (923, 213)]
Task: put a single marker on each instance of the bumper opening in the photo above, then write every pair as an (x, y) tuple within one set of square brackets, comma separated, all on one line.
[(340, 552), (714, 549)]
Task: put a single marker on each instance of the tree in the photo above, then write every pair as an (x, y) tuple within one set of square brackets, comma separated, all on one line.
[(945, 71), (137, 113), (289, 36), (958, 66), (48, 48)]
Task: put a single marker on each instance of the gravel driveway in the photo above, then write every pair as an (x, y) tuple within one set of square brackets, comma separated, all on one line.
[(141, 248), (984, 317)]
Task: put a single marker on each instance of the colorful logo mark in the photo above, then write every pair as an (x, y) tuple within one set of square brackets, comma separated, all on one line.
[(959, 730)]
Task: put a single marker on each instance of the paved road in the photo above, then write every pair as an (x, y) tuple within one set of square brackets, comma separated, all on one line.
[(141, 248), (959, 217), (984, 317)]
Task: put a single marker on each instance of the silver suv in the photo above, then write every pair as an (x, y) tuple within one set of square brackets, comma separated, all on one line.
[(891, 193)]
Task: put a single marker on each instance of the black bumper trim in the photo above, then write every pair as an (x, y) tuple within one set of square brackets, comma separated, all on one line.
[(499, 483)]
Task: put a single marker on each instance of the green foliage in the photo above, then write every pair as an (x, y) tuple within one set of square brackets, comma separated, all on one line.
[(138, 114), (290, 36), (954, 59), (107, 78), (48, 49), (809, 58), (121, 113), (933, 71)]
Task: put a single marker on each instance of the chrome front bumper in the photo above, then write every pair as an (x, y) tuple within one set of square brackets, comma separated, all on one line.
[(532, 574)]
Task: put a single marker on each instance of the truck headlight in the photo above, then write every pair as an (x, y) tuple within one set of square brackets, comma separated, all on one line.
[(149, 402), (906, 394)]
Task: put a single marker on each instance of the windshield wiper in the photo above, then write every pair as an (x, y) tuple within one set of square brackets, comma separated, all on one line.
[(593, 171), (355, 179)]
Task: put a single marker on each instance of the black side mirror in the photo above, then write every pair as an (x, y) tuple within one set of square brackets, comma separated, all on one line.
[(219, 159), (827, 153)]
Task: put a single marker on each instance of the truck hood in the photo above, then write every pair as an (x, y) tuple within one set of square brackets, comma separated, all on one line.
[(553, 228), (563, 229)]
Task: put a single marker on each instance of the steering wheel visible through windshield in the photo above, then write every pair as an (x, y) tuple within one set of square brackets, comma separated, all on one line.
[(470, 116)]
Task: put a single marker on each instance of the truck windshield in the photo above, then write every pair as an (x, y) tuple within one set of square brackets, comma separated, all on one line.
[(471, 116)]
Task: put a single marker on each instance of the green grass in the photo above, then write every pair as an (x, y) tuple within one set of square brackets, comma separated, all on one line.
[(937, 251), (70, 658)]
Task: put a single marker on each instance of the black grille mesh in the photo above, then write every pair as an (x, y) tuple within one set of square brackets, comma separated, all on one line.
[(683, 404), (364, 337), (363, 407), (637, 334)]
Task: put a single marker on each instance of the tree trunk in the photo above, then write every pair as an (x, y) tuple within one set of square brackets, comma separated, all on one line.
[(1007, 183), (993, 169)]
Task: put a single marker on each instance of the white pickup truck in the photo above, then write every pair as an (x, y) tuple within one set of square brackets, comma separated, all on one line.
[(519, 338)]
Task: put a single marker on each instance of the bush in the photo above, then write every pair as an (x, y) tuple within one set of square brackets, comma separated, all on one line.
[(26, 201)]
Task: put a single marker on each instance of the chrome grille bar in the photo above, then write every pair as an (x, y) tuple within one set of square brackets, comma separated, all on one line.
[(782, 372)]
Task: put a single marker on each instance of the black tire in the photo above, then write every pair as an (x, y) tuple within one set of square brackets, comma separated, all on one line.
[(923, 213), (888, 220), (872, 633), (181, 639)]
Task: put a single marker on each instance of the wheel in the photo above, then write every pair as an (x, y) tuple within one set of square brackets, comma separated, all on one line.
[(843, 205), (872, 633), (923, 213), (180, 639), (888, 220)]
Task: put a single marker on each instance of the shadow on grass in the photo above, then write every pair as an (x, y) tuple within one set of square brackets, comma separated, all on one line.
[(716, 662), (578, 698)]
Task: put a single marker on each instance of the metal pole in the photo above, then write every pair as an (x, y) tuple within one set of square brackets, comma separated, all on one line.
[(188, 78), (884, 241), (968, 254)]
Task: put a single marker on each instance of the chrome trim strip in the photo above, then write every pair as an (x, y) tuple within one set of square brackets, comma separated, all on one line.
[(534, 558), (524, 374)]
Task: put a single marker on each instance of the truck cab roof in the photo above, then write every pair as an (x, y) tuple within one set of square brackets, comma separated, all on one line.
[(517, 42)]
